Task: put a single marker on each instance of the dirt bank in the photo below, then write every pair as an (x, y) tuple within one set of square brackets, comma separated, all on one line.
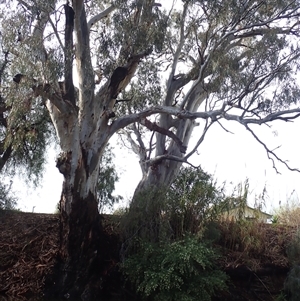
[(256, 261)]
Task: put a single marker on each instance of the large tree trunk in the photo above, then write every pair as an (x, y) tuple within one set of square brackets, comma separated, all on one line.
[(83, 126), (82, 242), (76, 118)]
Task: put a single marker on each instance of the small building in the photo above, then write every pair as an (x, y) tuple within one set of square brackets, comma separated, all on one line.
[(247, 212)]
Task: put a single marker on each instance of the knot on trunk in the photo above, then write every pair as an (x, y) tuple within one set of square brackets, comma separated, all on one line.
[(63, 162)]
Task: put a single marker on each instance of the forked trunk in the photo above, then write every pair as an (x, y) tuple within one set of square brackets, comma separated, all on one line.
[(82, 120), (161, 174)]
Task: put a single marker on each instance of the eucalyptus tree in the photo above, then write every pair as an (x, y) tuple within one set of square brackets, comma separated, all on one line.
[(227, 61), (99, 67), (38, 37)]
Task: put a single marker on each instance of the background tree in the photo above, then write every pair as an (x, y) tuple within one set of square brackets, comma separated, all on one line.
[(7, 199), (24, 132), (232, 60), (106, 181)]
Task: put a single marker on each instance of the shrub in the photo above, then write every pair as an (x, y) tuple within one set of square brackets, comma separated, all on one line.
[(7, 200), (164, 254), (184, 270), (292, 282), (193, 200)]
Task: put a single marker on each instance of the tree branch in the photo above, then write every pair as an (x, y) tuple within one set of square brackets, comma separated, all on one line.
[(154, 127), (158, 159), (56, 34), (270, 117), (183, 114), (207, 126), (138, 148), (270, 152), (68, 66), (100, 16), (47, 92), (171, 90)]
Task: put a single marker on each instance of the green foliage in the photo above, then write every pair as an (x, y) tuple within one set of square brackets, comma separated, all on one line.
[(165, 256), (146, 219), (183, 270), (28, 140), (7, 199), (292, 283), (192, 199), (106, 181), (171, 213), (25, 125), (281, 297)]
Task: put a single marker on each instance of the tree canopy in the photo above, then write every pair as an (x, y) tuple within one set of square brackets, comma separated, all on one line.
[(233, 60)]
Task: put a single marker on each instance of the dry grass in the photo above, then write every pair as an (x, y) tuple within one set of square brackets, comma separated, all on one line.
[(255, 244), (289, 215)]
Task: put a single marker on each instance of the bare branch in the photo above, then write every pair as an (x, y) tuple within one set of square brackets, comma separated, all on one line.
[(271, 152), (142, 148), (100, 16), (270, 117), (180, 45), (183, 114), (135, 147), (150, 145), (56, 34), (207, 126)]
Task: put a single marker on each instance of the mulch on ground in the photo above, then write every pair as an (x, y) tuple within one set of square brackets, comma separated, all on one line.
[(28, 249), (253, 255)]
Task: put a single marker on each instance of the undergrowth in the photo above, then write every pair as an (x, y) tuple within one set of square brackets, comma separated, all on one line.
[(183, 270), (165, 256)]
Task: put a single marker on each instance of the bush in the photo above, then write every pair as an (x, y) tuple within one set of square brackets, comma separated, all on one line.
[(293, 280), (292, 283), (192, 201), (183, 271), (7, 199), (164, 254)]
